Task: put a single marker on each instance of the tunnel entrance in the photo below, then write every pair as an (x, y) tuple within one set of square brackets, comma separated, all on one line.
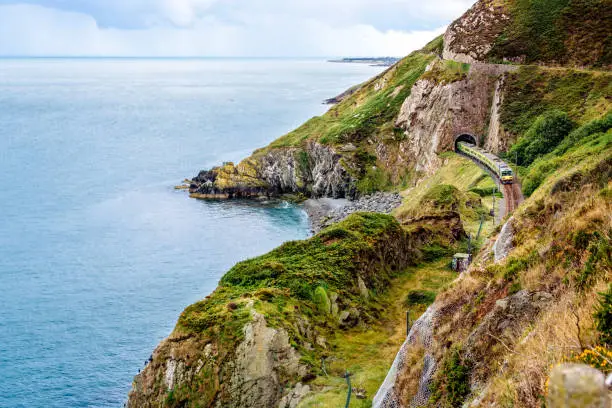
[(465, 137)]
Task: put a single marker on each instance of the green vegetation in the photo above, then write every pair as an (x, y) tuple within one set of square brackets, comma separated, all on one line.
[(367, 352), (435, 46), (420, 297), (375, 179), (534, 31), (452, 384), (365, 112), (533, 91), (603, 316), (556, 31), (447, 71), (588, 140), (542, 137)]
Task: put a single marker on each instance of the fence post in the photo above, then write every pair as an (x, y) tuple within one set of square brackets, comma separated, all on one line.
[(348, 381), (408, 323)]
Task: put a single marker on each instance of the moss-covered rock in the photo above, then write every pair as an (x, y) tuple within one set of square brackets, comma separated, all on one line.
[(263, 330)]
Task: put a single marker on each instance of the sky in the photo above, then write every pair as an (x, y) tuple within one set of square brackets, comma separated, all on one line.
[(253, 28)]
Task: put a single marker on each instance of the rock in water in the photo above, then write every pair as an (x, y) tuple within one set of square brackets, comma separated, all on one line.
[(577, 386)]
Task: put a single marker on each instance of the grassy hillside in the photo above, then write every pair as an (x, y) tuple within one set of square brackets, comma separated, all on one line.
[(324, 292), (370, 110), (569, 32), (563, 247)]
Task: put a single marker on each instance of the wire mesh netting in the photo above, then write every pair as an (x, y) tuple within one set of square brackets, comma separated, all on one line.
[(421, 335)]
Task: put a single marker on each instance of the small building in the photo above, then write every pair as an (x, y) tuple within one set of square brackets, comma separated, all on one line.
[(461, 262)]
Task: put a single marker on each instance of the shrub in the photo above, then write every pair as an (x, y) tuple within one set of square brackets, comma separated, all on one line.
[(542, 137), (321, 299), (420, 297), (600, 258), (603, 316), (374, 180), (591, 128), (597, 357), (457, 378)]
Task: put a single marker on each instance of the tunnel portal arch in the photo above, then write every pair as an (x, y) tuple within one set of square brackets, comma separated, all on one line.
[(466, 137)]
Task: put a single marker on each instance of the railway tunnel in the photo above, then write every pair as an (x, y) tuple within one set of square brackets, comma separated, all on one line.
[(513, 195), (465, 137)]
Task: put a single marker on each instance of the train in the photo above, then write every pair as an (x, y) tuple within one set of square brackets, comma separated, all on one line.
[(494, 163)]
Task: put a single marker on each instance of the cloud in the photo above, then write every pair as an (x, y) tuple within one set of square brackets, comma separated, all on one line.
[(222, 27)]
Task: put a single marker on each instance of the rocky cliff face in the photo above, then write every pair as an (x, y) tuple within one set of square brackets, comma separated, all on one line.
[(515, 31), (314, 170), (439, 109), (259, 338), (470, 38)]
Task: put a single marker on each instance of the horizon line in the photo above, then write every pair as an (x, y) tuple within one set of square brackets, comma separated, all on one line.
[(183, 57)]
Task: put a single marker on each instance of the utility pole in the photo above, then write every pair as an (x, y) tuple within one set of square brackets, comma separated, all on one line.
[(515, 159), (470, 244), (493, 210)]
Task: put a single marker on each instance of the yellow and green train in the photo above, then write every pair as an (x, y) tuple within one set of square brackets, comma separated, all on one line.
[(494, 163)]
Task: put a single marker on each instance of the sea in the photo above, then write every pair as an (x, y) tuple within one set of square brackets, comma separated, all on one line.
[(99, 253)]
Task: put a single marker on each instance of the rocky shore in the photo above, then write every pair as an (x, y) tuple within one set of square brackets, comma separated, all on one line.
[(324, 212)]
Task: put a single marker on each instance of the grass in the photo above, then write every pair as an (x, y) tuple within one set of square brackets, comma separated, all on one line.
[(533, 91), (363, 113), (589, 140), (368, 352), (467, 182), (447, 71), (556, 31)]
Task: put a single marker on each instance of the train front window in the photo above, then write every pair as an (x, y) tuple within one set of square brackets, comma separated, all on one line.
[(506, 173)]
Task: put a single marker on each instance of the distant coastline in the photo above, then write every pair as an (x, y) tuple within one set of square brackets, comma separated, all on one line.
[(373, 61)]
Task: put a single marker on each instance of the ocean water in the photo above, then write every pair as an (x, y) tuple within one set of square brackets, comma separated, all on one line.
[(98, 253)]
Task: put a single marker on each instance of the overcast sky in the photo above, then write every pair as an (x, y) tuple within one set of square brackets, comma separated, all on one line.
[(222, 27)]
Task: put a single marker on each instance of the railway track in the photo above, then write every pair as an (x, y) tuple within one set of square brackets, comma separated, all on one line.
[(513, 196)]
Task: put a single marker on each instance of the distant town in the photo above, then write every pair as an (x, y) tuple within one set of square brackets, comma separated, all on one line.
[(374, 61)]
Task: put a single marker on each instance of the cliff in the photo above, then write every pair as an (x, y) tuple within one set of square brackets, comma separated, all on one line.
[(556, 32), (283, 329), (528, 301), (258, 340)]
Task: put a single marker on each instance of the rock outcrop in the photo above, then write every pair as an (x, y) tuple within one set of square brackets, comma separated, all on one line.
[(577, 386), (261, 360), (436, 112), (503, 243), (470, 38), (315, 171), (254, 373)]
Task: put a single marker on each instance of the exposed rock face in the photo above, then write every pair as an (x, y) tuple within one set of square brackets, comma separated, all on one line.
[(471, 37), (253, 373), (315, 171), (264, 353), (435, 113), (503, 243), (496, 139), (329, 178), (503, 324), (577, 385)]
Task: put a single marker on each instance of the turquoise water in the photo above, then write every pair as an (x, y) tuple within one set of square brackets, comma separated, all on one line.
[(98, 253)]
